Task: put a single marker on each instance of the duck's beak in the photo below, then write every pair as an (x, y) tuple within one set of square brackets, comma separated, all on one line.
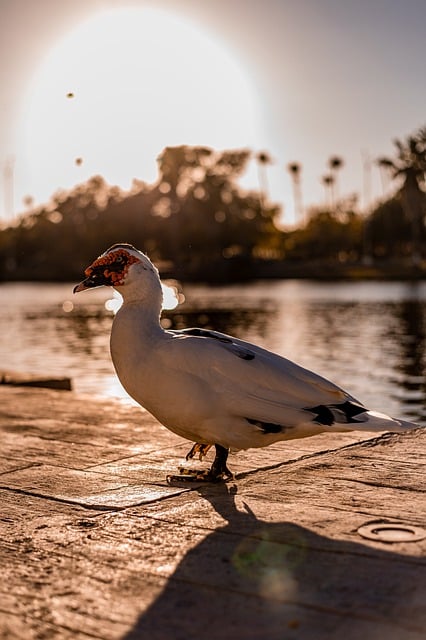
[(95, 279), (82, 286)]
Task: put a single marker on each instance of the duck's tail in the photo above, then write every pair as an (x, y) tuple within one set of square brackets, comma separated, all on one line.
[(375, 421), (351, 415)]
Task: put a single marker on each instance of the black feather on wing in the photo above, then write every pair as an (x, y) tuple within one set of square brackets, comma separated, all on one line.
[(344, 412), (227, 342)]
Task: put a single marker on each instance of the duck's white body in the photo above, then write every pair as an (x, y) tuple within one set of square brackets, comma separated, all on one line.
[(202, 389), (211, 388)]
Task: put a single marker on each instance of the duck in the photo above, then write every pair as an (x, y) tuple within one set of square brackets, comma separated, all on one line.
[(209, 387)]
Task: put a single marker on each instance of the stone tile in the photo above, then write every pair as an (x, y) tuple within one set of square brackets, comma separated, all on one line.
[(94, 490)]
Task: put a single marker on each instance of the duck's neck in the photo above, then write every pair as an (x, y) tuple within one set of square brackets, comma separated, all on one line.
[(135, 336), (136, 318)]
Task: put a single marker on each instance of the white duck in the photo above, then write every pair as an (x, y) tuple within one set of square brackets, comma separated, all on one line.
[(209, 387)]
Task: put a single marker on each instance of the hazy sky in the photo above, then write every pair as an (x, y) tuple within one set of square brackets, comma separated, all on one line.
[(302, 79)]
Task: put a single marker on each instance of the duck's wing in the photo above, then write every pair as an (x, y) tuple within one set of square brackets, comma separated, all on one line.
[(259, 385)]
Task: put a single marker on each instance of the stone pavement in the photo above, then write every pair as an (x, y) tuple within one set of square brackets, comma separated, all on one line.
[(95, 544)]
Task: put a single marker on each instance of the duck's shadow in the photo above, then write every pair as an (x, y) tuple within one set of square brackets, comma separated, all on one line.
[(257, 580)]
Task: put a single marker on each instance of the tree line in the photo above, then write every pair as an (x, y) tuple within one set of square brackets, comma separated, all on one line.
[(196, 222)]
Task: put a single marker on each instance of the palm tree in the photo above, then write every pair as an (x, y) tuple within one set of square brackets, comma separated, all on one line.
[(328, 182), (295, 170), (335, 163), (263, 159), (409, 166)]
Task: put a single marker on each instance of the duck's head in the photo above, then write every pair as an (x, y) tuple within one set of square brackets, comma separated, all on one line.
[(122, 267)]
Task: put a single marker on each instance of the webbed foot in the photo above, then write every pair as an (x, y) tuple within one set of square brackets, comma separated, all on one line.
[(217, 473)]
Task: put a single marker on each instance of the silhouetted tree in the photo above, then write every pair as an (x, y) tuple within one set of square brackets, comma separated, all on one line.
[(263, 159), (195, 217), (328, 182), (328, 235), (409, 166), (295, 170), (389, 230), (335, 164)]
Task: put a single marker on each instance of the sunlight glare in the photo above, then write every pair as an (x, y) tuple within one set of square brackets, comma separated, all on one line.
[(122, 86), (113, 304), (172, 297)]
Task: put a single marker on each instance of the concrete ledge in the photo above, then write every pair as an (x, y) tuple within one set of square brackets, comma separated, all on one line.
[(95, 544), (30, 380)]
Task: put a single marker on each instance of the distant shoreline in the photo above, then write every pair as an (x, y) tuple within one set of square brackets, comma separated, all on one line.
[(222, 272)]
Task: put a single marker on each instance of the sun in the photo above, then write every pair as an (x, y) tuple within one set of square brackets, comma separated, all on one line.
[(122, 86)]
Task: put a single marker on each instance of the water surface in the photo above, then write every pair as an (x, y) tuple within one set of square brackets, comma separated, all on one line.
[(367, 337)]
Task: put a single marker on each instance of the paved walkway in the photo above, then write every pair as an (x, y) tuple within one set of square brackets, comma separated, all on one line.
[(95, 544)]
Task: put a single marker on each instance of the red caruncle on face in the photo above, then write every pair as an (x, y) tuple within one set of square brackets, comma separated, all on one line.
[(115, 266)]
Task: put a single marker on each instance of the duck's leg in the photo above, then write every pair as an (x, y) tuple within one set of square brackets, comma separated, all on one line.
[(219, 469), (217, 472), (199, 450)]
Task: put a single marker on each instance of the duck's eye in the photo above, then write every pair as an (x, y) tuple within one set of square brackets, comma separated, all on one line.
[(119, 259)]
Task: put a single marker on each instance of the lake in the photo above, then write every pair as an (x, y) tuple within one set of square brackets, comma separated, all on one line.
[(368, 337)]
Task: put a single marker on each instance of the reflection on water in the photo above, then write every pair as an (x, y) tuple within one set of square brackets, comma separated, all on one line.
[(367, 337)]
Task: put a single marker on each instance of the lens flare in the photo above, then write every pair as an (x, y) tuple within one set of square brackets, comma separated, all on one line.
[(67, 306), (270, 564)]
